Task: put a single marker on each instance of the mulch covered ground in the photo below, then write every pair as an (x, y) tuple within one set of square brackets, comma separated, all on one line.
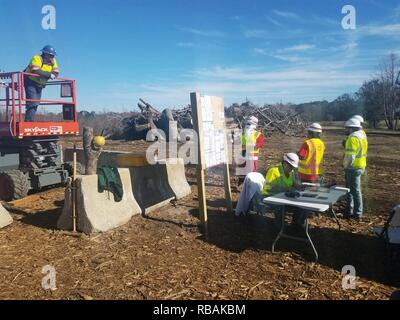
[(166, 255)]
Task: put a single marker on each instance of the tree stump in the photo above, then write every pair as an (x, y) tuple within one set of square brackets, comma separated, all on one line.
[(91, 152)]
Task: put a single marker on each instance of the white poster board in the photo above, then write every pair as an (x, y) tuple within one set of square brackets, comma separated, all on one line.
[(209, 122), (213, 122)]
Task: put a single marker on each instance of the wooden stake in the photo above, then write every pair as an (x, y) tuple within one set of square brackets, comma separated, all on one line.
[(227, 177), (201, 193), (227, 185), (74, 193)]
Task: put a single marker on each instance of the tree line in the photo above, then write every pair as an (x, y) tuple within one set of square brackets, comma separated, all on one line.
[(378, 99)]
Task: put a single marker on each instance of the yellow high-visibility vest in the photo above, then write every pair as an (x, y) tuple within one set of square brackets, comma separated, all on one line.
[(312, 164), (276, 177), (358, 147), (249, 144), (364, 134), (36, 63)]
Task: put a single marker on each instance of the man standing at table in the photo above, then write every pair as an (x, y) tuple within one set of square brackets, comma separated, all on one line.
[(311, 155), (354, 163), (45, 67)]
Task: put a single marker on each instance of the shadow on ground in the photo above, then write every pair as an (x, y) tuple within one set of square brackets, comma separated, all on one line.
[(336, 248), (46, 219)]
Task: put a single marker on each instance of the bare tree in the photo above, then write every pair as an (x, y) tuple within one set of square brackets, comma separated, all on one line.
[(390, 91), (371, 96)]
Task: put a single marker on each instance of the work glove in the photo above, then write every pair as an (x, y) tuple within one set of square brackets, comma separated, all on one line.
[(53, 76)]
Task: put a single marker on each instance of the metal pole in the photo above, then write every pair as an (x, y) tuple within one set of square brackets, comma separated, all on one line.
[(20, 96)]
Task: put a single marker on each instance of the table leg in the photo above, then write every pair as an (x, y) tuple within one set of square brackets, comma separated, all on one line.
[(280, 231), (335, 216), (310, 241), (282, 234)]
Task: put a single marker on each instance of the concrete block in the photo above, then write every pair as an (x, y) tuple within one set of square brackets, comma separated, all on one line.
[(156, 185), (175, 168), (150, 186), (5, 217), (153, 186), (98, 212)]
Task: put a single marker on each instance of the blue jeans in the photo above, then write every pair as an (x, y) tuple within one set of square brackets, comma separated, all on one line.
[(354, 197), (33, 92), (300, 216), (261, 208)]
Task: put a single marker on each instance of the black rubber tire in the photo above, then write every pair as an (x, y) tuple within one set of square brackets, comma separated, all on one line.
[(69, 167), (16, 183)]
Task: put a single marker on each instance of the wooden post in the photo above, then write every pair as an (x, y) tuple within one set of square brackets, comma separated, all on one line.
[(218, 122), (74, 193), (91, 154), (201, 185), (227, 186), (227, 177), (201, 193)]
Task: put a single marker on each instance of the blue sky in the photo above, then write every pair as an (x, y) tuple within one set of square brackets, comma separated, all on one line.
[(267, 51)]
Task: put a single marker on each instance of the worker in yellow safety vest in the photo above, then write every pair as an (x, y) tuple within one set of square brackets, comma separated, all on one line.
[(311, 155), (44, 67), (361, 119), (252, 141), (354, 163), (281, 178)]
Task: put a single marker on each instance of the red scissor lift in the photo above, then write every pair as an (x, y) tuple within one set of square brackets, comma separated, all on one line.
[(30, 154)]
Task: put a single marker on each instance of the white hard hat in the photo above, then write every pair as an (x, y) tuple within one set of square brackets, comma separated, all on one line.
[(315, 127), (252, 120), (358, 117), (352, 123), (292, 159)]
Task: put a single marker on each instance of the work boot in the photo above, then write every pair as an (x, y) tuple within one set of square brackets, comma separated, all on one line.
[(356, 217), (345, 216), (297, 230)]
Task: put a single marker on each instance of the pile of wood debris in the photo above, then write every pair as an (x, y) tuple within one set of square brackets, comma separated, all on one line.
[(137, 125), (277, 118), (272, 118)]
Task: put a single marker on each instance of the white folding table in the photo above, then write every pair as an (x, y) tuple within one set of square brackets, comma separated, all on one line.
[(314, 199)]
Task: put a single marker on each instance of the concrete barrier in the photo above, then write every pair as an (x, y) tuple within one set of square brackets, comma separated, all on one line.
[(112, 158), (175, 169), (5, 217), (150, 187), (153, 186), (98, 212)]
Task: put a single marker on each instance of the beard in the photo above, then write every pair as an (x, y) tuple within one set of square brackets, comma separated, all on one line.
[(48, 60)]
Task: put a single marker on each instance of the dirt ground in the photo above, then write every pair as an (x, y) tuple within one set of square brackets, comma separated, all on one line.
[(167, 256)]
